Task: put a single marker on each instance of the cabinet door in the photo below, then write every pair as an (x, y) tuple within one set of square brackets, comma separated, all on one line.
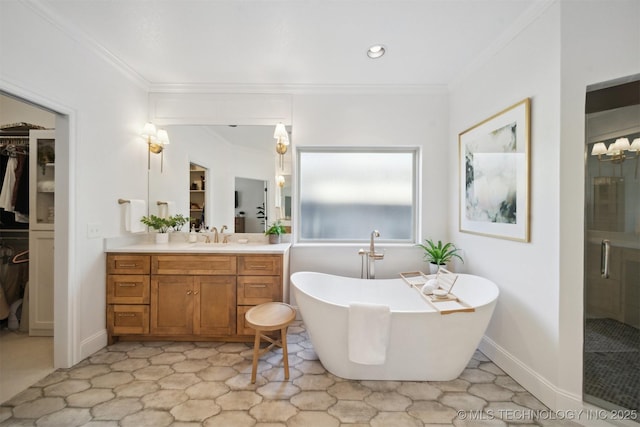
[(42, 179), (41, 270), (215, 303), (172, 303)]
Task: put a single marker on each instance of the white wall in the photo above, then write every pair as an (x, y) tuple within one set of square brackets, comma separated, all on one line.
[(378, 120), (525, 323), (536, 332), (105, 159)]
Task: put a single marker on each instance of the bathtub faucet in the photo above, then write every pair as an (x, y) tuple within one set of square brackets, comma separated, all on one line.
[(371, 256)]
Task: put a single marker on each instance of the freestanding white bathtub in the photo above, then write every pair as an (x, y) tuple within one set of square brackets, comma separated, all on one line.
[(423, 345)]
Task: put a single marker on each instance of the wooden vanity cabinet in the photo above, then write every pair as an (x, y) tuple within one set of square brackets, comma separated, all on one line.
[(188, 296)]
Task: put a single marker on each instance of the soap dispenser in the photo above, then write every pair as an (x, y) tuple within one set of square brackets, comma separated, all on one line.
[(193, 236)]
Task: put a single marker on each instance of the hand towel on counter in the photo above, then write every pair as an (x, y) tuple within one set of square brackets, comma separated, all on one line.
[(134, 211), (368, 333)]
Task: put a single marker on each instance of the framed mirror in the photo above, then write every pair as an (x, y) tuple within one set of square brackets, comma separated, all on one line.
[(224, 153)]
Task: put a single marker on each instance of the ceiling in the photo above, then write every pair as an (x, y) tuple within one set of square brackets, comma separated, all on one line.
[(169, 43)]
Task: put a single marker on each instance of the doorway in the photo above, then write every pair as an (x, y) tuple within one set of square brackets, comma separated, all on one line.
[(251, 204), (611, 369), (27, 162)]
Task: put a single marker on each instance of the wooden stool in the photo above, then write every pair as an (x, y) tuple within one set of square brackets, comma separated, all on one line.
[(270, 316)]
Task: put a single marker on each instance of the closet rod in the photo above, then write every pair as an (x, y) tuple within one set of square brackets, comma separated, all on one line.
[(14, 139)]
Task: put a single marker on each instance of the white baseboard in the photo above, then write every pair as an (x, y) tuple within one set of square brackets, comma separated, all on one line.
[(552, 396), (559, 400), (93, 343)]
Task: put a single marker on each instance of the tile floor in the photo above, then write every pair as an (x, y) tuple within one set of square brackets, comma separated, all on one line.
[(23, 361), (203, 383)]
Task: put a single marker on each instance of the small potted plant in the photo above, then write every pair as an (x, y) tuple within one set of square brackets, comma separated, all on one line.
[(438, 254), (161, 225), (275, 231), (176, 222)]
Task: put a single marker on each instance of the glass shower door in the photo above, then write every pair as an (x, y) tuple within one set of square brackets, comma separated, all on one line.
[(612, 246)]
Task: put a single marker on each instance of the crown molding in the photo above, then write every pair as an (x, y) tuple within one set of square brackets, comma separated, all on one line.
[(534, 11), (79, 36), (299, 89)]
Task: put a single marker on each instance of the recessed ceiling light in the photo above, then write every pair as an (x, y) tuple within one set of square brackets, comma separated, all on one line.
[(376, 51)]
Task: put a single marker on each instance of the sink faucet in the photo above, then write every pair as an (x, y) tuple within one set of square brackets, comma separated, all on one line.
[(215, 234), (225, 238), (371, 257)]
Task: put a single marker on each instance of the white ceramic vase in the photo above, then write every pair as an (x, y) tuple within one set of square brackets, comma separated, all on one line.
[(162, 238), (274, 238), (433, 268)]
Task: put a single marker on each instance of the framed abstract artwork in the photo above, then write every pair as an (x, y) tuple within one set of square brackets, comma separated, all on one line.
[(494, 175)]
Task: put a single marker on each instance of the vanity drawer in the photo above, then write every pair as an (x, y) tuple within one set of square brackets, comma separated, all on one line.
[(254, 290), (260, 265), (128, 319), (241, 328), (127, 289), (193, 264), (128, 264)]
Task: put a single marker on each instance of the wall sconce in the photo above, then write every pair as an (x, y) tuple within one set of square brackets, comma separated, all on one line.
[(280, 181), (617, 152), (282, 142), (156, 140)]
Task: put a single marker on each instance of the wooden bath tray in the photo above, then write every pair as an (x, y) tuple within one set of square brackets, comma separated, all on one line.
[(447, 305)]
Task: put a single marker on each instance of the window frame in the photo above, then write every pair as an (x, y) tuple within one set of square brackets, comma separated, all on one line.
[(415, 151)]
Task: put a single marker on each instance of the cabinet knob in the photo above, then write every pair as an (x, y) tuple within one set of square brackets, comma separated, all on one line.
[(195, 292), (189, 292)]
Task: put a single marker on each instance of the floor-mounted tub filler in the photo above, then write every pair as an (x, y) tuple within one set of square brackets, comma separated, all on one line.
[(385, 330)]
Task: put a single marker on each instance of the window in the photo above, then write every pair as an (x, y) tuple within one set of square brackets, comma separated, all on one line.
[(345, 193)]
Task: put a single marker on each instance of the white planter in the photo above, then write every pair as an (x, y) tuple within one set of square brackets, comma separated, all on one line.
[(162, 238), (274, 238), (433, 268)]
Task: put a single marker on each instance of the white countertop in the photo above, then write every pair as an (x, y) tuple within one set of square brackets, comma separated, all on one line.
[(208, 248), (257, 243)]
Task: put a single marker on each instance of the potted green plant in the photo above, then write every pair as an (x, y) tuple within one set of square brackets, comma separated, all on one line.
[(176, 222), (161, 225), (275, 231), (439, 254)]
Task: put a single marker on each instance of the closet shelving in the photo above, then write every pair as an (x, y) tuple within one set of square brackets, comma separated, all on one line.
[(27, 226), (196, 194)]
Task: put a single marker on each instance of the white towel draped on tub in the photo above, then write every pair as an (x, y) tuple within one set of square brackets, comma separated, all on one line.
[(368, 334), (134, 211)]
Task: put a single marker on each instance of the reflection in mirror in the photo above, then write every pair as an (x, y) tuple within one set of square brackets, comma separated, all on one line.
[(225, 152), (252, 200), (283, 196), (197, 179)]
